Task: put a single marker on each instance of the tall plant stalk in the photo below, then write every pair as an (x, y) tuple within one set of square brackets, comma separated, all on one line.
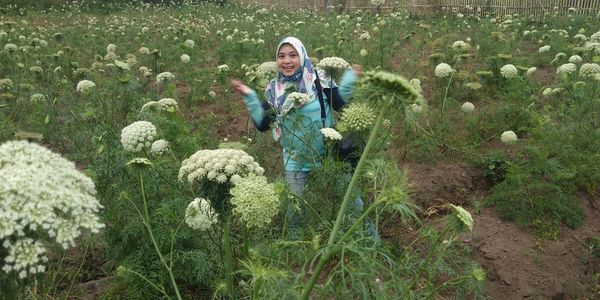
[(331, 243), (146, 219)]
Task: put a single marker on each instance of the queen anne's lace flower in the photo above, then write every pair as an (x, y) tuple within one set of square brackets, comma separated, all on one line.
[(567, 68), (267, 70), (168, 104), (333, 65), (509, 71), (330, 133), (508, 137), (37, 97), (575, 59), (111, 48), (356, 117), (11, 48), (222, 69), (531, 70), (85, 87), (254, 201), (200, 215), (45, 199), (189, 43), (6, 84), (467, 107), (210, 164), (144, 50), (544, 49), (442, 70), (164, 77), (298, 98), (463, 216), (185, 58), (159, 147), (137, 136), (391, 88), (589, 70)]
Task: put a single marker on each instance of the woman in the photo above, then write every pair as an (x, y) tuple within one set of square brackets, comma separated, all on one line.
[(297, 126)]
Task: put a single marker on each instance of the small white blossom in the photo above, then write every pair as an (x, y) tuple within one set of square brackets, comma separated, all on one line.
[(164, 77), (509, 71), (468, 107), (443, 70), (567, 68), (137, 136), (508, 137), (330, 133), (85, 87), (200, 215), (189, 43), (159, 147), (299, 98), (168, 104), (185, 58), (544, 49)]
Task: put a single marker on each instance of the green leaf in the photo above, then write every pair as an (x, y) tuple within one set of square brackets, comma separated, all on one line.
[(47, 120)]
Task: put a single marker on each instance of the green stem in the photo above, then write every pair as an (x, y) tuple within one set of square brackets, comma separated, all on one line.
[(447, 283), (228, 257), (147, 223), (360, 220), (87, 248), (338, 222), (446, 95)]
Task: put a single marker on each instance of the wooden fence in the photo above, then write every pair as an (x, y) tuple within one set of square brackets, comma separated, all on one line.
[(535, 8)]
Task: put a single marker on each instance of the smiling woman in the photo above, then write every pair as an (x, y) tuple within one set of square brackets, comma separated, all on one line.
[(298, 119)]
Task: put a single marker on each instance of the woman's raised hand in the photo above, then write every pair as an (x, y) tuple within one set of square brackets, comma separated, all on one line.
[(357, 69), (238, 85)]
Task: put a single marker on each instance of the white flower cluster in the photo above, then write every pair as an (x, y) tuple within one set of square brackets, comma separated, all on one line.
[(189, 43), (443, 70), (544, 49), (333, 62), (218, 165), (85, 87), (531, 70), (11, 48), (460, 45), (44, 199), (467, 107), (254, 201), (509, 71), (365, 36), (37, 97), (508, 137), (593, 47), (595, 37), (185, 58), (567, 69), (200, 215), (159, 147), (6, 84), (222, 69), (168, 104), (111, 48), (575, 59), (138, 135), (144, 50), (267, 70), (416, 84), (377, 2), (356, 117), (330, 133), (299, 98), (463, 216), (164, 77), (589, 70)]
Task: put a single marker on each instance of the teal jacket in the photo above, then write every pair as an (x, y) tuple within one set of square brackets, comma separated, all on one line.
[(301, 139)]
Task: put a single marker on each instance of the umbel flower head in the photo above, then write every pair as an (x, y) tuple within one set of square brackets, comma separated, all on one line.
[(267, 70), (467, 107), (356, 117), (218, 165), (333, 66), (85, 87), (463, 218), (200, 215), (589, 70), (137, 136), (164, 77), (168, 104), (389, 87), (509, 71), (159, 147), (566, 69), (443, 70), (508, 137), (331, 134), (298, 99), (255, 201), (45, 199)]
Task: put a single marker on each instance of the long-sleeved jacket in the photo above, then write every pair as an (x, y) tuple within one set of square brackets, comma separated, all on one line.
[(301, 138)]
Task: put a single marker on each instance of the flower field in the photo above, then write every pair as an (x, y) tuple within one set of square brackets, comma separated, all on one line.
[(130, 169)]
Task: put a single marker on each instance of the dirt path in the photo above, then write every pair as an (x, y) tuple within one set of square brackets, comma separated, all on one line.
[(519, 266)]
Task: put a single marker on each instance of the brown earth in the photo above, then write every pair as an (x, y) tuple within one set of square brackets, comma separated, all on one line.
[(519, 266)]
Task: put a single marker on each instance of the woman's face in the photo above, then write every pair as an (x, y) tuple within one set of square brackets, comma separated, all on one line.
[(288, 60)]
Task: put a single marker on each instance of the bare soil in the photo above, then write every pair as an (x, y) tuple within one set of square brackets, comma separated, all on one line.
[(519, 265)]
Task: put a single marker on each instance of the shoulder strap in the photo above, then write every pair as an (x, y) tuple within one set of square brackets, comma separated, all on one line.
[(320, 96)]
